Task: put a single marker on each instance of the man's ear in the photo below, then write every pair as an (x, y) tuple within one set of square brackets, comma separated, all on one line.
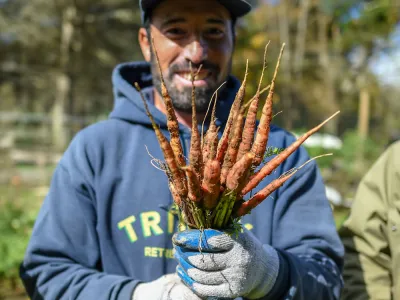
[(144, 43)]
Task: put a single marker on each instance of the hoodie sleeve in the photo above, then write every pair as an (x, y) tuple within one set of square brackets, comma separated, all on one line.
[(304, 233), (370, 233), (62, 260)]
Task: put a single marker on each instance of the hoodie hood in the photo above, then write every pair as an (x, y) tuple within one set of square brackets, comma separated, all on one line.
[(128, 104)]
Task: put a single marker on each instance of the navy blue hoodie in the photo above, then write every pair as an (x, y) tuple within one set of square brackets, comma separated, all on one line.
[(105, 224)]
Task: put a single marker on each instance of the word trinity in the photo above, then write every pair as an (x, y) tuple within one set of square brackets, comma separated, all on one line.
[(152, 223)]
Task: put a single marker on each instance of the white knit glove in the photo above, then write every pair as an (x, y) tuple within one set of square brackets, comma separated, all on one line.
[(225, 266), (167, 287)]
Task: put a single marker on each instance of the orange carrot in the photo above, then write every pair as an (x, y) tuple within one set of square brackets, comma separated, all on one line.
[(233, 147), (172, 121), (175, 195), (211, 184), (277, 160), (235, 135), (238, 102), (223, 144), (224, 141), (247, 206), (178, 177), (261, 138), (210, 142), (195, 155), (213, 132), (194, 190), (251, 119), (241, 92), (239, 172), (209, 137), (206, 147), (235, 108)]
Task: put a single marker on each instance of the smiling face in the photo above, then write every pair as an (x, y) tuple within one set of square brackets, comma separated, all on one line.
[(197, 32)]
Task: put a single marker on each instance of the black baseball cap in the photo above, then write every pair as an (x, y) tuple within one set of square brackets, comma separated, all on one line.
[(237, 8)]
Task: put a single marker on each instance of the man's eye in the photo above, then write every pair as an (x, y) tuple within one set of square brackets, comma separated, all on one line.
[(175, 32), (215, 33)]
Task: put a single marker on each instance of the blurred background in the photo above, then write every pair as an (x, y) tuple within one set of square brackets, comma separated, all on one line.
[(56, 59)]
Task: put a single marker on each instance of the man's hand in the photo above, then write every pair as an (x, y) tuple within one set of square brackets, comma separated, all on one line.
[(167, 287), (225, 266)]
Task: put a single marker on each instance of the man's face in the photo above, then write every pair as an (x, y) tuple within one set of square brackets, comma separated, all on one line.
[(197, 32)]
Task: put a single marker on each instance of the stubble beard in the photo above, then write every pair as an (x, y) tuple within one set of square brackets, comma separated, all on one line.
[(182, 100)]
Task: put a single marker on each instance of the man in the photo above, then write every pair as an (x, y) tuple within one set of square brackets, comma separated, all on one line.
[(105, 230), (371, 234)]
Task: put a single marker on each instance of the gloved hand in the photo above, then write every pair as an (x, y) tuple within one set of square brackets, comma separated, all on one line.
[(225, 266), (167, 287)]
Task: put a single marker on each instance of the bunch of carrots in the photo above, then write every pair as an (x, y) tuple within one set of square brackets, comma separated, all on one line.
[(210, 189)]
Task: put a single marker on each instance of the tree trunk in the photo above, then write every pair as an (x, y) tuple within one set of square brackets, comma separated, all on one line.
[(63, 80), (301, 37), (22, 85), (328, 73), (363, 113), (58, 114), (284, 35)]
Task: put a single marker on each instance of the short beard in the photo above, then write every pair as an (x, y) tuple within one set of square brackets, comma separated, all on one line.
[(182, 100)]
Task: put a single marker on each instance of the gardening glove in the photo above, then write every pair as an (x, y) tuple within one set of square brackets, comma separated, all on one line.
[(225, 266), (167, 287)]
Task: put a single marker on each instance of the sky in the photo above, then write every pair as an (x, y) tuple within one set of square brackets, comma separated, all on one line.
[(386, 64)]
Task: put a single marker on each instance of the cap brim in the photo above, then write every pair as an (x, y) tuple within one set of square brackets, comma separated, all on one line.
[(237, 8)]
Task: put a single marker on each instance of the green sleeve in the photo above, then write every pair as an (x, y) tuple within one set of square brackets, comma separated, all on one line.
[(370, 229)]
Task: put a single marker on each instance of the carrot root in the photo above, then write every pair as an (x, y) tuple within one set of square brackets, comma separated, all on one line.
[(277, 160), (261, 139)]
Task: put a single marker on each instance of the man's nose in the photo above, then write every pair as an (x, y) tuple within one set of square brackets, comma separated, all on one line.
[(196, 51)]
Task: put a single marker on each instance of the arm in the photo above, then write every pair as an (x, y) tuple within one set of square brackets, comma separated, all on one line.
[(305, 236), (368, 263), (63, 257)]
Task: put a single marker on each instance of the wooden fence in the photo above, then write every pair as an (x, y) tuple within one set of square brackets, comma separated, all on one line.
[(26, 140)]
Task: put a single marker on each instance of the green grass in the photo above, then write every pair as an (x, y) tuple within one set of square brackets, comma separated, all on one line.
[(27, 167), (19, 206), (25, 196)]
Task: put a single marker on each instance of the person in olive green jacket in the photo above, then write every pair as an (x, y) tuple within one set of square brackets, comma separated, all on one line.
[(371, 234)]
